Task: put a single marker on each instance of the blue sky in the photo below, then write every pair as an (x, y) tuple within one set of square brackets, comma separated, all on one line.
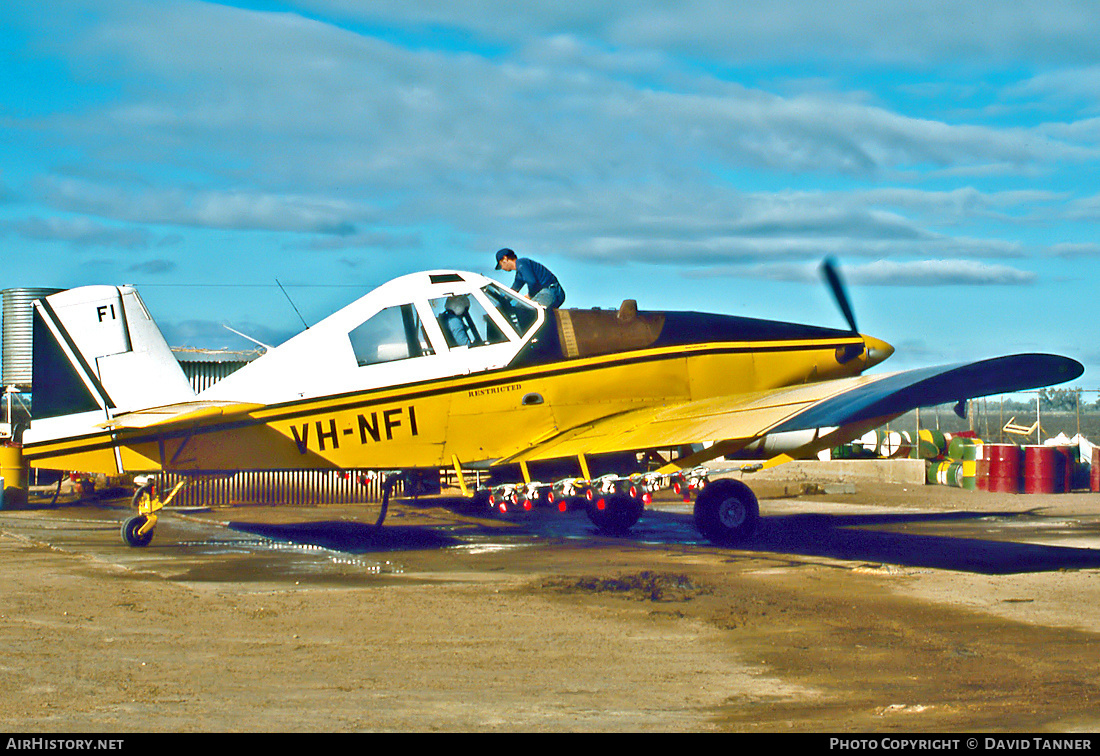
[(697, 155)]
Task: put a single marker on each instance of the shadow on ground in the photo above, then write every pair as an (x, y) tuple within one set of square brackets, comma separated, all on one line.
[(992, 543), (980, 542)]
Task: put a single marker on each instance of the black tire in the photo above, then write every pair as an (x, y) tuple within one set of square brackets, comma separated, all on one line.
[(619, 514), (479, 502), (130, 534), (727, 512)]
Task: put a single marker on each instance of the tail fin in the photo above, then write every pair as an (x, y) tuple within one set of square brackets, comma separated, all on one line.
[(97, 348)]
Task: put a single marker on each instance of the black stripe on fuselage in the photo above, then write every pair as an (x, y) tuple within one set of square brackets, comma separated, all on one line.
[(436, 386)]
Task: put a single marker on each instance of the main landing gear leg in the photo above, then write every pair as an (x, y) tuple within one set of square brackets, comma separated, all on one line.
[(387, 488), (389, 479)]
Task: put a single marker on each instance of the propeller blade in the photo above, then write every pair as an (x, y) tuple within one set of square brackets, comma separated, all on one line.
[(840, 292)]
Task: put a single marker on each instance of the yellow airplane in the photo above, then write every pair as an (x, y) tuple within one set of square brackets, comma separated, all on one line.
[(445, 368)]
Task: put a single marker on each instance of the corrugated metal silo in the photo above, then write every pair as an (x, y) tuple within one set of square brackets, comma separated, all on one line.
[(17, 334)]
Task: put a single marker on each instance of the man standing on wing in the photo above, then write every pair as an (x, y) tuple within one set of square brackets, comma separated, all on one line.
[(542, 285)]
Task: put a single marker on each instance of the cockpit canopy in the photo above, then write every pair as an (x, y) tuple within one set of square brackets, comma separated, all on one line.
[(463, 318)]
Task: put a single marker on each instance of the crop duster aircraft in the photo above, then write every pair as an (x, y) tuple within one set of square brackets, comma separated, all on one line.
[(446, 368)]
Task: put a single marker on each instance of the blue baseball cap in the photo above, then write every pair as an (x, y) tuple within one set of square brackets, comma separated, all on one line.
[(502, 253)]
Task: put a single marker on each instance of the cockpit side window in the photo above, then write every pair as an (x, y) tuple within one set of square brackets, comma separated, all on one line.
[(520, 314), (465, 322), (394, 333)]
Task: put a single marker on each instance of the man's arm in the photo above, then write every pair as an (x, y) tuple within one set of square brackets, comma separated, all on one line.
[(522, 276)]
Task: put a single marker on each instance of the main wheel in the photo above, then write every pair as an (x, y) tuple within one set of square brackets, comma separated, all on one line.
[(130, 535), (726, 512), (615, 513), (479, 502)]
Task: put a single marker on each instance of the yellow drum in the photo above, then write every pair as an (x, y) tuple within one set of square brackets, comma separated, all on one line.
[(13, 471)]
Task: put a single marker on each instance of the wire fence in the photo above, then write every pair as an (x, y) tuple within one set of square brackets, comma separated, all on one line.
[(1007, 419)]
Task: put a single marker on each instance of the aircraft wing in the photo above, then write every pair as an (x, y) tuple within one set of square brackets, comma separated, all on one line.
[(828, 404)]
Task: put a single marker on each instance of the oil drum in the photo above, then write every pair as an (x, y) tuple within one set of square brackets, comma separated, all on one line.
[(1044, 470), (1003, 464), (1070, 455), (970, 465)]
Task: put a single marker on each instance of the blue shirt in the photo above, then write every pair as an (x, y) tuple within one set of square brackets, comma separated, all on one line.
[(455, 327), (536, 276)]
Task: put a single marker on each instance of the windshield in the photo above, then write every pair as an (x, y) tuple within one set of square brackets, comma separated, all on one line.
[(465, 322), (521, 315)]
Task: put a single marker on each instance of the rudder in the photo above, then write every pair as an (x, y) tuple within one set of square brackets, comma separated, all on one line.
[(97, 348)]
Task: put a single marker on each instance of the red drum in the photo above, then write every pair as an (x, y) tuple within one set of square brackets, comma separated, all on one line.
[(1003, 466), (1044, 470), (1069, 467)]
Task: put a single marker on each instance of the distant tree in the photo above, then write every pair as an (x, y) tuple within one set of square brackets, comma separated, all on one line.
[(1059, 400), (1014, 405)]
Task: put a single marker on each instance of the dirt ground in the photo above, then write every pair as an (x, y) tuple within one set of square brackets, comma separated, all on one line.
[(891, 609)]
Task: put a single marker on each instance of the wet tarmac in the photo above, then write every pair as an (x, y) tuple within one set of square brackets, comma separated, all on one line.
[(343, 543)]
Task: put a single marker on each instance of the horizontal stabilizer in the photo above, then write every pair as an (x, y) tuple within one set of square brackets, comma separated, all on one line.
[(184, 414)]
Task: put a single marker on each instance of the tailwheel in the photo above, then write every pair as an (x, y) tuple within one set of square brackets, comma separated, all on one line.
[(726, 512), (615, 513), (132, 533), (138, 530)]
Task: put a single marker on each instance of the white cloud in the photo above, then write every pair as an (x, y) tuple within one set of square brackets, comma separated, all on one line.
[(201, 208), (152, 267), (920, 273), (80, 232), (277, 98), (865, 32), (937, 273), (1079, 249), (1074, 86)]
